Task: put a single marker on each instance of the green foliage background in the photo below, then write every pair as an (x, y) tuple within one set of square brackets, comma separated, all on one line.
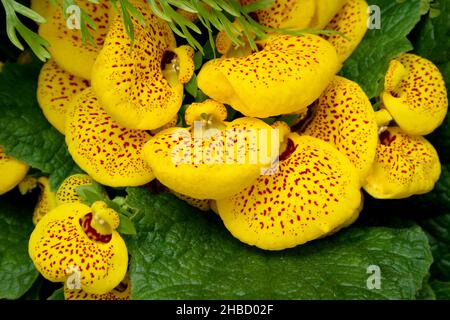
[(181, 253)]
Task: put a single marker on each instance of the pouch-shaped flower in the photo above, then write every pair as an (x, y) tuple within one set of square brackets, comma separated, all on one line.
[(141, 87), (12, 171), (415, 94), (286, 76), (405, 165), (208, 161), (315, 191), (56, 88), (344, 117), (78, 245), (108, 152), (351, 22), (67, 46)]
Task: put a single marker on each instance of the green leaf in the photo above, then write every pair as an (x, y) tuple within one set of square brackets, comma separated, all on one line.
[(192, 87), (182, 253), (441, 289), (57, 295), (434, 32), (369, 63), (17, 272), (24, 132)]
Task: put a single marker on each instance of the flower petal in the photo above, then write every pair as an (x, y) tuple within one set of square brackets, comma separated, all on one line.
[(344, 117), (285, 77), (130, 82), (64, 247), (316, 190), (351, 21), (56, 88), (67, 47), (12, 172), (405, 165), (47, 200), (67, 191), (208, 167), (295, 14), (109, 153), (415, 94)]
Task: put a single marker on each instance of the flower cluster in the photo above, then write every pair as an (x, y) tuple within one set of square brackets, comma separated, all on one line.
[(118, 106)]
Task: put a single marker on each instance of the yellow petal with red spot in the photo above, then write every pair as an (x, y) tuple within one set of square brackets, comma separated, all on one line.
[(415, 94), (121, 292), (295, 14), (325, 11), (285, 77), (405, 165), (351, 21), (109, 153), (67, 46), (56, 88), (210, 163), (344, 117), (142, 87), (65, 246), (12, 171), (316, 190), (67, 191)]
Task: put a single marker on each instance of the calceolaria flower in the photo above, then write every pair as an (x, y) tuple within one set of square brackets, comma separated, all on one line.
[(141, 86), (414, 95), (56, 88), (212, 159), (351, 23), (67, 46), (316, 191), (405, 165), (344, 117), (78, 244), (12, 172), (286, 76), (108, 152), (298, 14)]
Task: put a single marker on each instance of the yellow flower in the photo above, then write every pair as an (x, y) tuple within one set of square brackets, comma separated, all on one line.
[(142, 87), (12, 171), (109, 153), (298, 14), (405, 165), (211, 159), (56, 88), (121, 292), (78, 244), (344, 117), (67, 47), (351, 21), (286, 76), (414, 95), (315, 192), (67, 192)]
